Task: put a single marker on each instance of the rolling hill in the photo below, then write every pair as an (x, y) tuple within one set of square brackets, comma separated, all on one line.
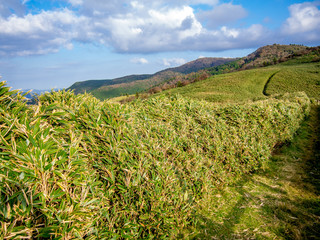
[(230, 82), (109, 88), (254, 84), (194, 71)]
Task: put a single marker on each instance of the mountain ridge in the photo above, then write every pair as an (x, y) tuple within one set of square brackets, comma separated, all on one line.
[(105, 88), (194, 71)]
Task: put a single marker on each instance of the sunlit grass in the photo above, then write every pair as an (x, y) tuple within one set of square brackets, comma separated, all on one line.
[(75, 167), (254, 84), (240, 86), (295, 78)]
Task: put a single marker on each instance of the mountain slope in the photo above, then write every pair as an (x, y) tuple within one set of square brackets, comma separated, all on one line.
[(197, 70), (273, 54), (90, 85), (107, 88), (258, 83), (199, 64), (270, 55), (262, 57)]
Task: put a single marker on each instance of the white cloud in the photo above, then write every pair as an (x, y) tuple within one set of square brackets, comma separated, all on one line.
[(173, 62), (139, 60), (156, 30), (7, 7), (304, 18), (136, 28), (226, 38), (143, 26), (231, 33), (222, 15), (39, 34), (76, 2), (137, 5)]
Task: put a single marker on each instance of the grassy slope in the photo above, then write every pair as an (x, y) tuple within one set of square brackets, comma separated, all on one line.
[(232, 87), (282, 202), (115, 90), (293, 78), (250, 84)]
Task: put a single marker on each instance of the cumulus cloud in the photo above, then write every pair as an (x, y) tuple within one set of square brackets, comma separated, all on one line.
[(76, 2), (156, 30), (139, 60), (222, 14), (173, 62), (229, 38), (39, 34), (304, 21), (144, 26), (12, 6), (127, 26)]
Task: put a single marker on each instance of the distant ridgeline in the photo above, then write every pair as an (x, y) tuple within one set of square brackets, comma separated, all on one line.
[(31, 93), (264, 56), (194, 71), (132, 84)]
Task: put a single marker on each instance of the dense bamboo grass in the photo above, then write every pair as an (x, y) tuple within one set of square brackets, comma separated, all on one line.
[(75, 167)]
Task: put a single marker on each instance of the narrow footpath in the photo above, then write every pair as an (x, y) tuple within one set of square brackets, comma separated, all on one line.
[(281, 202)]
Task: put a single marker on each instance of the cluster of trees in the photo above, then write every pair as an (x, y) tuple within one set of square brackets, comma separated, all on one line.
[(174, 82), (180, 81)]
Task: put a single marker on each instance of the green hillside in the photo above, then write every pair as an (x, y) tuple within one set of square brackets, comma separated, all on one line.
[(253, 84), (132, 87), (90, 85), (194, 71), (132, 84), (270, 55), (294, 78)]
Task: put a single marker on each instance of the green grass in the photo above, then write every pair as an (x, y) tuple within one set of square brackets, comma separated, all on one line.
[(282, 202), (110, 92), (75, 167), (240, 86), (250, 85), (295, 78), (116, 90)]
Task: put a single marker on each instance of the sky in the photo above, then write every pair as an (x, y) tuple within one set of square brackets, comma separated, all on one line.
[(47, 44)]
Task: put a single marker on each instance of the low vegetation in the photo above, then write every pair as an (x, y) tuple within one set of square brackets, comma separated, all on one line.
[(72, 166), (293, 78), (254, 84), (233, 87)]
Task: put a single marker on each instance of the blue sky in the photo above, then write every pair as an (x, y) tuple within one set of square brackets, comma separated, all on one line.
[(48, 44)]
